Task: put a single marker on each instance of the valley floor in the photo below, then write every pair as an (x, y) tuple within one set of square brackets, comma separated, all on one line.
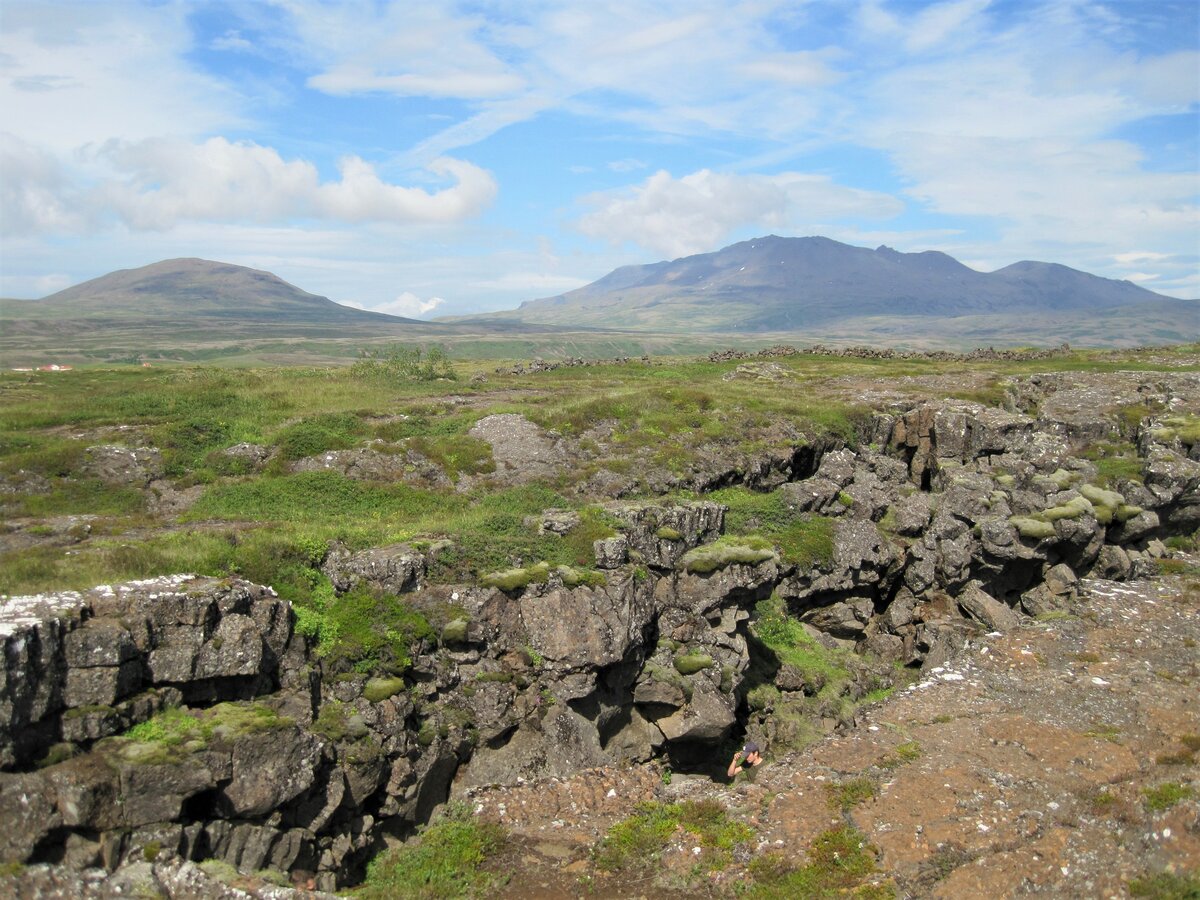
[(1057, 760)]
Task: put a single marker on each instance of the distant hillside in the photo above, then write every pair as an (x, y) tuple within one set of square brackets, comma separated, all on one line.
[(195, 290), (815, 284)]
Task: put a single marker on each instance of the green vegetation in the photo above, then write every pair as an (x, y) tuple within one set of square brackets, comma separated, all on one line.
[(1167, 886), (638, 841), (803, 540), (365, 631), (446, 860), (1114, 462), (176, 732), (727, 551), (377, 690), (397, 362), (848, 794), (840, 864), (1164, 796), (691, 663)]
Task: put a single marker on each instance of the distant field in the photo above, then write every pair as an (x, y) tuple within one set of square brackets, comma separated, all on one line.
[(89, 343)]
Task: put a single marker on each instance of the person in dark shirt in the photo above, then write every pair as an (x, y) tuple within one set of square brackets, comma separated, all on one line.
[(746, 758)]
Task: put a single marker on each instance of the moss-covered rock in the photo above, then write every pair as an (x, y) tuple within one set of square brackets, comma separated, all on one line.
[(1033, 529), (691, 663), (721, 554), (1072, 509)]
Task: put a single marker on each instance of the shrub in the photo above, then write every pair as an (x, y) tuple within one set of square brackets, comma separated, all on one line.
[(400, 363)]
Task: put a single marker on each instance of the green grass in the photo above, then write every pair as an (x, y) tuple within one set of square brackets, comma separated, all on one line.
[(848, 794), (1164, 796), (786, 638), (840, 864), (803, 540), (173, 733), (637, 841), (1167, 886), (446, 860)]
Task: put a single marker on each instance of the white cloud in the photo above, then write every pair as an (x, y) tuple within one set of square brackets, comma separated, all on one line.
[(1138, 256), (1138, 277), (157, 183), (407, 304), (75, 73), (695, 213), (35, 194)]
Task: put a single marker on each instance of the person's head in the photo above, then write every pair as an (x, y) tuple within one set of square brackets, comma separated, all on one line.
[(751, 751)]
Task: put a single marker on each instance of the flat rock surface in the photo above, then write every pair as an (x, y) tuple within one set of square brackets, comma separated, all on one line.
[(1021, 767)]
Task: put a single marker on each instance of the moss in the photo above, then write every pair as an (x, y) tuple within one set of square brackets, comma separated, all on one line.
[(845, 499), (667, 533), (763, 697), (1100, 497), (639, 840), (427, 734), (1005, 481), (573, 577), (447, 859), (379, 689), (1072, 509), (1125, 512), (727, 552), (56, 754), (691, 663), (455, 631), (1034, 529), (151, 850), (1062, 478), (517, 579), (1164, 796), (1166, 886)]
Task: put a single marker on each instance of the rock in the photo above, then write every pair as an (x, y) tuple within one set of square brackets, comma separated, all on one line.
[(394, 569), (611, 553), (114, 464), (522, 451), (845, 619), (1112, 563), (270, 768), (986, 609)]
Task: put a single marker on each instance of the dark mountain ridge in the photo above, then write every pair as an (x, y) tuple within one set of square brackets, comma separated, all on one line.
[(785, 284)]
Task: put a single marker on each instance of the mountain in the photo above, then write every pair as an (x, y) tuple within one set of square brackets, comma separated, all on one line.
[(196, 291), (775, 284)]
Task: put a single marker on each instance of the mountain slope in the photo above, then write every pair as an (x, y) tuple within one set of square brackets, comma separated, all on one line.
[(790, 284), (191, 289)]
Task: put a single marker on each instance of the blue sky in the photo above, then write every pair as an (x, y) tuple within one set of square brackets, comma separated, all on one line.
[(430, 158)]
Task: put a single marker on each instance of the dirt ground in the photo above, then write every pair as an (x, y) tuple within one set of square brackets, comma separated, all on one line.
[(1046, 761)]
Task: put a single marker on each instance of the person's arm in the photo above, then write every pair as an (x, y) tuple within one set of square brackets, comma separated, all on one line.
[(734, 768)]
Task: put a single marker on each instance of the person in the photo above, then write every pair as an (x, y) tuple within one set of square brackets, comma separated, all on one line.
[(746, 758)]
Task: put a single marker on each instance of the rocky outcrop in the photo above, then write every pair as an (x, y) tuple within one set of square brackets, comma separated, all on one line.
[(189, 715)]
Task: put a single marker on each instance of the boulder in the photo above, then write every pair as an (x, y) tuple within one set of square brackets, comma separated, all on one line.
[(394, 569), (986, 609)]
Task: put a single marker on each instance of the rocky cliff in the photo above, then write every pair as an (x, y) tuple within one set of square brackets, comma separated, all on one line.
[(189, 718)]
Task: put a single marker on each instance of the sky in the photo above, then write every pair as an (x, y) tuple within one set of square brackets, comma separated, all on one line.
[(438, 158)]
